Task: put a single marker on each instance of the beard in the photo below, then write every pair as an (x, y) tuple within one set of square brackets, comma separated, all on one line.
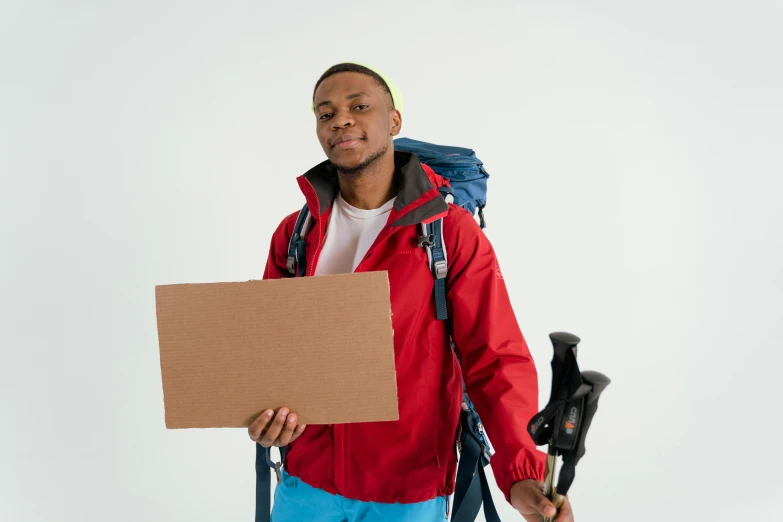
[(353, 170)]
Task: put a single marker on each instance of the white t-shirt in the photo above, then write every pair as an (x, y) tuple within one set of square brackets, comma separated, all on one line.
[(350, 233)]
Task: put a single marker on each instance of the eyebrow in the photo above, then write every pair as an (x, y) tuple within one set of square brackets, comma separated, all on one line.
[(349, 97)]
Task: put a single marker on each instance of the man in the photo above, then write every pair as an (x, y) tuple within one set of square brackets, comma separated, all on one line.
[(367, 202)]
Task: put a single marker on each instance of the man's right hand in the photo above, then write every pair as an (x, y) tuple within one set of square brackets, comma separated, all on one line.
[(275, 430)]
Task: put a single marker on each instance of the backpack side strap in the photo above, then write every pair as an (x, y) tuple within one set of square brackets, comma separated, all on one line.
[(472, 488)]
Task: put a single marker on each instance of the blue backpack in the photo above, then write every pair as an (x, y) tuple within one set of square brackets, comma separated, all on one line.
[(468, 190)]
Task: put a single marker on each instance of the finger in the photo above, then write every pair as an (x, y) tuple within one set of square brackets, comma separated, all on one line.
[(288, 430), (566, 514), (526, 495), (544, 506), (256, 428), (536, 499), (298, 431), (274, 429)]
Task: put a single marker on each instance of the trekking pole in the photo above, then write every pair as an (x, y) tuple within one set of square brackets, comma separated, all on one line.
[(549, 483), (563, 424)]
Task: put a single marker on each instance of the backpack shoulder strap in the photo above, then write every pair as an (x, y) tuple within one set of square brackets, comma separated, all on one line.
[(432, 241), (472, 488), (297, 259), (264, 463), (296, 264)]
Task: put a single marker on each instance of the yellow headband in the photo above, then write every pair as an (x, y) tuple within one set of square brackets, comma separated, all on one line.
[(395, 91)]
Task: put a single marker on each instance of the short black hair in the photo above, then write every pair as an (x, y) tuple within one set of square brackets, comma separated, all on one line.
[(353, 67)]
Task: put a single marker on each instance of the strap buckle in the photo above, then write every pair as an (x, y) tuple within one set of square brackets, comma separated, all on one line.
[(440, 269), (427, 241), (482, 221)]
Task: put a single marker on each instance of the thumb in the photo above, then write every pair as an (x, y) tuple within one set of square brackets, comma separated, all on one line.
[(545, 507)]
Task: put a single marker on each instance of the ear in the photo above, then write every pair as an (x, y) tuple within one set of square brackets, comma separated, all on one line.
[(395, 118)]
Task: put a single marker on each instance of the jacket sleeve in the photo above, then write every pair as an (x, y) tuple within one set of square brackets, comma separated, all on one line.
[(278, 249), (500, 374)]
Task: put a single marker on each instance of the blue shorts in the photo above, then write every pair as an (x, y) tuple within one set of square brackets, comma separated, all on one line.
[(296, 501)]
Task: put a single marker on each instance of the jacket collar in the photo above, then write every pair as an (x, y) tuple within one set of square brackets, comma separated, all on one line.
[(418, 198)]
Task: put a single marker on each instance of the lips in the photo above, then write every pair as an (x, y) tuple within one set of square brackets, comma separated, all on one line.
[(346, 141)]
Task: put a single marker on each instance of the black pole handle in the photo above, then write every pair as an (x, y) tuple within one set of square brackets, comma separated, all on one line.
[(562, 342), (598, 381)]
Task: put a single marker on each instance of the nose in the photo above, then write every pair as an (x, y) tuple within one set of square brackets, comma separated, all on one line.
[(341, 120)]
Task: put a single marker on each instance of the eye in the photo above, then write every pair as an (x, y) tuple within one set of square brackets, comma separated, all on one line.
[(362, 107), (325, 116)]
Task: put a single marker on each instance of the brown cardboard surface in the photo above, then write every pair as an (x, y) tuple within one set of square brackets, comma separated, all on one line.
[(321, 346)]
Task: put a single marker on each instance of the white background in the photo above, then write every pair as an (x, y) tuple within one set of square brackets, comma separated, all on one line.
[(635, 200)]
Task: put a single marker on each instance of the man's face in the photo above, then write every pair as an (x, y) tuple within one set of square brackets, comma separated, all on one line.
[(354, 120)]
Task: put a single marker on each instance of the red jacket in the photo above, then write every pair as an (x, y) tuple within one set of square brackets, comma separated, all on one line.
[(414, 459)]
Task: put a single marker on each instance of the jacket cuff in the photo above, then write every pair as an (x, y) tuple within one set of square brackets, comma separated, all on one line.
[(533, 469)]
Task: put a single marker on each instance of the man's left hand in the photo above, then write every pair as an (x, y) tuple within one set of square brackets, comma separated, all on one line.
[(527, 497)]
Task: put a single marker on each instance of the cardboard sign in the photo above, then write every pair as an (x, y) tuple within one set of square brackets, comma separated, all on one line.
[(320, 346)]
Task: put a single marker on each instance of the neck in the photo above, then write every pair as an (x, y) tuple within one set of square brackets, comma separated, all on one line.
[(372, 187)]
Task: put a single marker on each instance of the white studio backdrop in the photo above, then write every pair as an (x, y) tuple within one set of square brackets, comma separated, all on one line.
[(635, 200)]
